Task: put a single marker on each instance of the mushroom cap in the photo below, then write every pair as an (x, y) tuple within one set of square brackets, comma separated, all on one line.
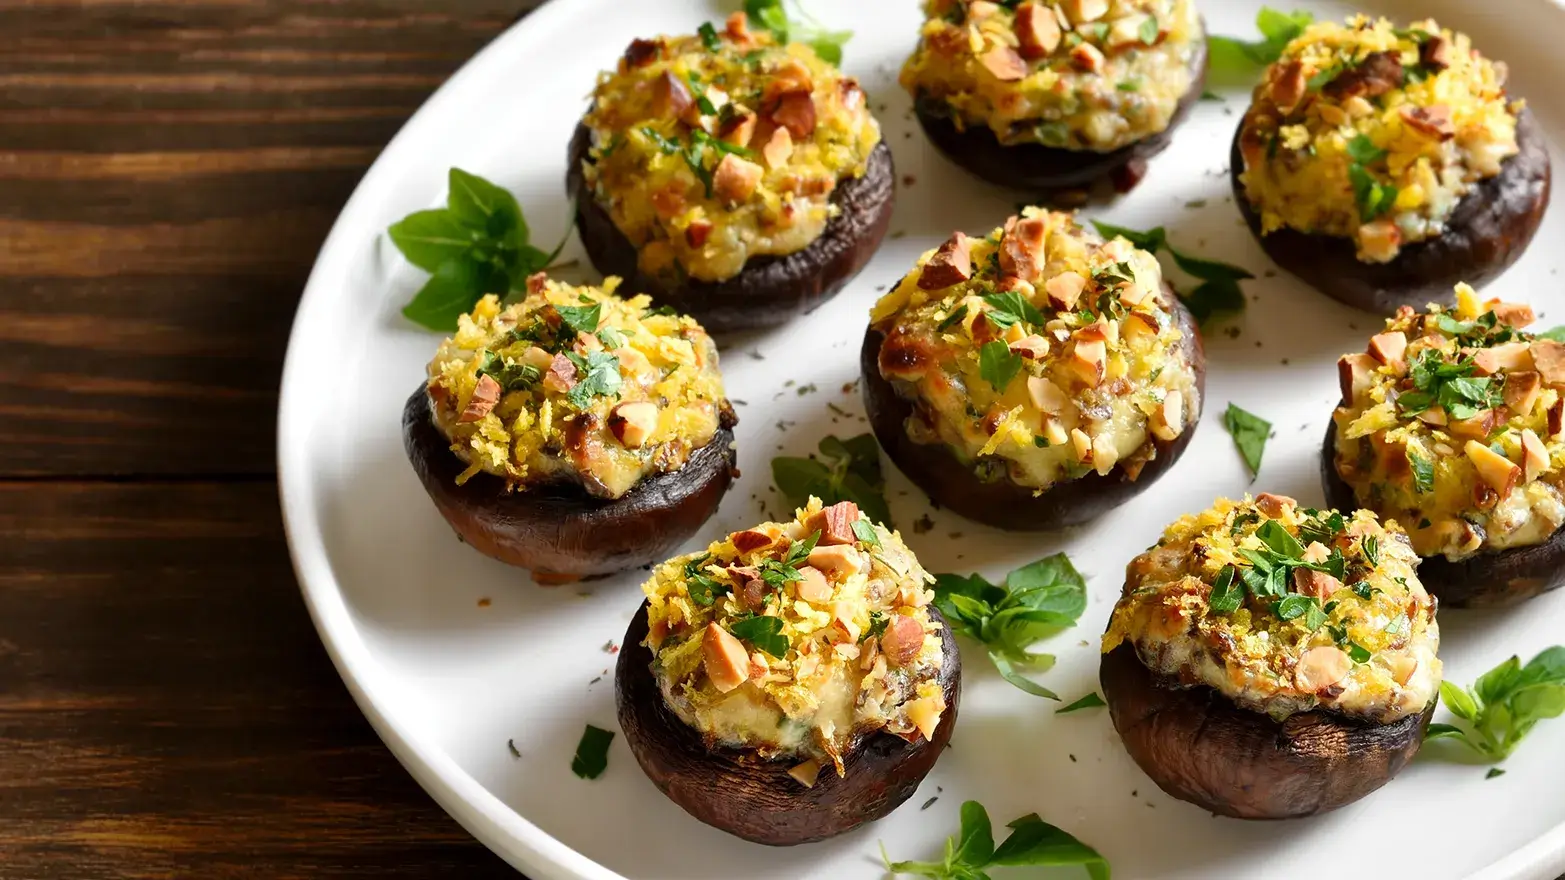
[(1487, 232), (1200, 747), (1491, 579), (934, 468), (769, 290), (560, 532), (1040, 169), (757, 800)]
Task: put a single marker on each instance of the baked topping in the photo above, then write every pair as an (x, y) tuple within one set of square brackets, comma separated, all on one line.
[(1458, 438), (1284, 609), (1039, 352), (1082, 75), (795, 639), (1372, 132), (711, 149), (576, 385)]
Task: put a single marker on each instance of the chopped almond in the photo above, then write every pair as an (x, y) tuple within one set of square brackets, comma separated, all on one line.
[(561, 376), (1402, 667), (1355, 373), (805, 774), (1046, 395), (738, 27), (737, 129), (1433, 416), (1390, 349), (951, 264), (1033, 347), (727, 665), (1506, 356), (1082, 444), (1104, 453), (1316, 553), (1380, 239), (1138, 324), (1435, 54), (814, 587), (1288, 86), (697, 232), (1168, 420), (1037, 30), (977, 10), (537, 357), (633, 423), (750, 540), (485, 395), (669, 201), (1497, 471), (1004, 63), (1557, 420), (1089, 360), (1517, 315), (1434, 120), (641, 52), (1522, 391), (1549, 356), (1272, 505), (1476, 427), (671, 96), (1021, 248), (1087, 57), (838, 561), (902, 640), (1084, 10), (1309, 582), (835, 523), (1535, 456), (1064, 290), (735, 179), (778, 148), (1321, 668), (795, 111)]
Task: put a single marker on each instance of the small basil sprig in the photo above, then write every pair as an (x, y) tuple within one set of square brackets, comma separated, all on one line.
[(1218, 291), (773, 16), (477, 244), (1557, 334), (847, 470), (1037, 600), (1250, 433), (1505, 703), (1032, 842), (1231, 58)]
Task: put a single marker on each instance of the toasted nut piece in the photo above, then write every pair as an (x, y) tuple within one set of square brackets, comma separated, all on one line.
[(641, 52), (737, 129), (697, 232), (1380, 239), (814, 587), (537, 357), (951, 264), (1402, 667), (1309, 582), (1033, 347), (727, 665), (778, 148), (1316, 552), (1168, 420), (1079, 11), (903, 639), (1355, 373), (1054, 432), (1321, 668), (633, 423), (1549, 356), (561, 376), (750, 540), (1476, 427), (1506, 356), (924, 712), (1004, 63), (1521, 391), (791, 77), (1557, 420), (735, 179), (1272, 505), (1517, 315), (977, 10), (1435, 54), (805, 774), (1087, 57), (737, 26), (1104, 454), (670, 96), (1088, 359), (1288, 86), (795, 111), (1535, 456), (1433, 416), (1064, 290), (838, 561), (1037, 30), (835, 523), (1082, 444), (1497, 471), (1376, 74), (1434, 120), (1021, 248), (485, 395), (1046, 395), (1390, 349)]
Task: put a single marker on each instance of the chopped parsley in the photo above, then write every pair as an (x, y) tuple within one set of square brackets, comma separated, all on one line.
[(1010, 308), (582, 319), (597, 375), (511, 376), (765, 633), (709, 37), (998, 365), (592, 753), (1423, 473), (1219, 290), (1250, 433)]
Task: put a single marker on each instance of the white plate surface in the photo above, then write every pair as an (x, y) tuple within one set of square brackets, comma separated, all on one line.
[(447, 683)]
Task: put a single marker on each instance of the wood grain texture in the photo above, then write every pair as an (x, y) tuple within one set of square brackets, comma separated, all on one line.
[(168, 170)]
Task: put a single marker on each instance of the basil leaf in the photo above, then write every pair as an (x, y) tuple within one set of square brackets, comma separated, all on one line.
[(1208, 270), (770, 15), (997, 365), (849, 471), (975, 846), (1363, 150), (1441, 731), (1458, 701), (1036, 842), (1227, 592), (429, 238), (1012, 307), (592, 752), (1557, 334), (866, 533), (1234, 58), (1150, 241), (1090, 701), (1292, 607), (765, 633), (1250, 433), (485, 206), (582, 319), (450, 292), (1423, 473), (1009, 673)]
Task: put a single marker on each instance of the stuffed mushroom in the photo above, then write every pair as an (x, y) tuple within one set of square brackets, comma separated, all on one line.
[(573, 433), (1045, 97), (1453, 423), (792, 681), (1383, 165), (1267, 661), (729, 176), (1035, 377)]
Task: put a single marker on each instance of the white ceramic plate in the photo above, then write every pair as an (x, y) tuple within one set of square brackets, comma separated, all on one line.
[(448, 682)]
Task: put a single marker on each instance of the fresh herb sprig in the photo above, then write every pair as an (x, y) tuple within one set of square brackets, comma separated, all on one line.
[(1250, 433), (1032, 841), (1504, 705), (477, 244), (1231, 58), (1451, 385), (1037, 600), (1219, 290), (1090, 701), (846, 470), (772, 15)]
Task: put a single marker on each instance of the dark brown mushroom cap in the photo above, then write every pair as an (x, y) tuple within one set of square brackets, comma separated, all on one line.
[(1489, 229), (769, 290), (1001, 503), (1199, 746), (560, 532), (1036, 168), (1491, 579), (757, 800)]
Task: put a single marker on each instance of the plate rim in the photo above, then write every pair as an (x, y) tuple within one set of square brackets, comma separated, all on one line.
[(505, 832)]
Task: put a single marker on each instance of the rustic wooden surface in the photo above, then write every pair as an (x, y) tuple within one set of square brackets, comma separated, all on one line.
[(168, 169)]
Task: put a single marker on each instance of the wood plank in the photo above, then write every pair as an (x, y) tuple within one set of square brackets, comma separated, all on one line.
[(166, 709)]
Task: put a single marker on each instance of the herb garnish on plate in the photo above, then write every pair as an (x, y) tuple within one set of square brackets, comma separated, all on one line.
[(1032, 842), (1506, 702), (1218, 291), (846, 470)]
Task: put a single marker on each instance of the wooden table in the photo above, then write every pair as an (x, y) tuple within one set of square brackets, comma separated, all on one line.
[(168, 169)]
